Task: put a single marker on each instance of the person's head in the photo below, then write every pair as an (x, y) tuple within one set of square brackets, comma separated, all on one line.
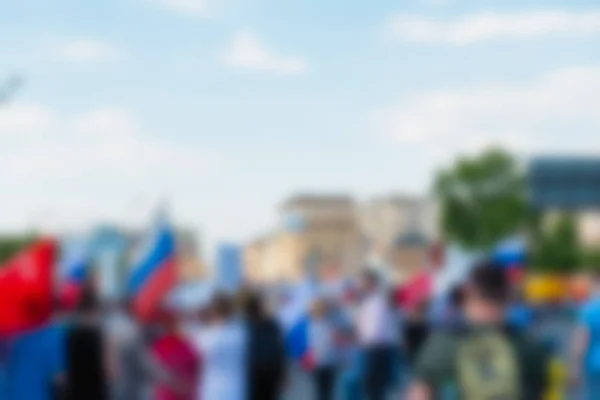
[(457, 296), (369, 281), (318, 308), (486, 294), (88, 305), (222, 308), (254, 307)]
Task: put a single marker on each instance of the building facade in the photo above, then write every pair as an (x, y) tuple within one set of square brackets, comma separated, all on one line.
[(330, 236)]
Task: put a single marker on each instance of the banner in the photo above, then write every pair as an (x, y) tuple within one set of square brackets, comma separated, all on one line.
[(26, 284)]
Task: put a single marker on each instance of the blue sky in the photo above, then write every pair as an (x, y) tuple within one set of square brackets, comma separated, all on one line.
[(225, 107)]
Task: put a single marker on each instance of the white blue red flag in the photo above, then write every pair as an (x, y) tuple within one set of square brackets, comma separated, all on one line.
[(294, 318), (153, 274)]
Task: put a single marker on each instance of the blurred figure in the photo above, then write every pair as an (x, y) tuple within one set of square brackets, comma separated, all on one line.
[(519, 314), (322, 347), (132, 364), (266, 363), (416, 332), (446, 311), (87, 359), (223, 345), (377, 334), (35, 362), (176, 355), (585, 368), (351, 387), (557, 373), (481, 359)]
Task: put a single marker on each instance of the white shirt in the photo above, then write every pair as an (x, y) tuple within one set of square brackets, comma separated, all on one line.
[(322, 342), (377, 323), (223, 351)]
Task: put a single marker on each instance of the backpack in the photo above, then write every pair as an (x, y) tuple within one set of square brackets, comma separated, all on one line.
[(487, 367)]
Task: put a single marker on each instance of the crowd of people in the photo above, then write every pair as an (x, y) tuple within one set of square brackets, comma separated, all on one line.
[(362, 346)]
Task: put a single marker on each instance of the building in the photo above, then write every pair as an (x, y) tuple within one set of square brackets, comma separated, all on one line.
[(383, 219), (408, 255), (329, 234), (567, 184), (277, 257), (327, 230), (317, 233)]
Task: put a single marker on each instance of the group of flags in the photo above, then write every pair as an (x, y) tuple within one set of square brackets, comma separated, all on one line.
[(37, 280)]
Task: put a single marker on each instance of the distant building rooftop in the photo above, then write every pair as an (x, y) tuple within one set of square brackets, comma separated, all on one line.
[(398, 198), (318, 200), (411, 239)]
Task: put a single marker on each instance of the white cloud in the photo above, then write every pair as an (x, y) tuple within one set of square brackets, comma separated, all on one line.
[(183, 7), (557, 112), (25, 119), (86, 167), (246, 51), (488, 26), (87, 51)]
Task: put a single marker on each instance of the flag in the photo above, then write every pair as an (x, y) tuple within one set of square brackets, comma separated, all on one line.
[(26, 284), (153, 273), (294, 318)]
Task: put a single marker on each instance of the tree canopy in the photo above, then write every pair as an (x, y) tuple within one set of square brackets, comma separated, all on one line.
[(558, 248), (482, 199), (10, 245)]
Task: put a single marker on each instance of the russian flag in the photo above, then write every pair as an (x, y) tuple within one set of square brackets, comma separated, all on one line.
[(73, 269), (294, 318), (153, 273)]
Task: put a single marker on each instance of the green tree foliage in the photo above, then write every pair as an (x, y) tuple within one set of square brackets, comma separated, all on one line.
[(558, 248), (590, 259), (10, 245), (482, 199)]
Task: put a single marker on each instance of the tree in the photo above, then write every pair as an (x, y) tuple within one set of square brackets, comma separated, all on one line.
[(11, 245), (558, 248), (590, 259), (482, 199)]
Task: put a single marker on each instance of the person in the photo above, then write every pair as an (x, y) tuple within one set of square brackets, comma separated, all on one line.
[(519, 314), (322, 350), (446, 310), (416, 332), (176, 355), (350, 381), (266, 363), (132, 364), (350, 387), (585, 366), (86, 358), (223, 345), (35, 361), (376, 328), (481, 359)]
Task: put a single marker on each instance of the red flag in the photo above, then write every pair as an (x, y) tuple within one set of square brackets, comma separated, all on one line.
[(26, 284)]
